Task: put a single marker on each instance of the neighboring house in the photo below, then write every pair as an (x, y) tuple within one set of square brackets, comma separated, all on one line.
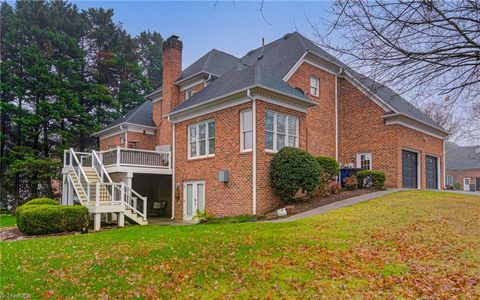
[(463, 166), (220, 121)]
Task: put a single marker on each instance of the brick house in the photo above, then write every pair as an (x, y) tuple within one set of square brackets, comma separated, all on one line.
[(222, 118), (462, 166)]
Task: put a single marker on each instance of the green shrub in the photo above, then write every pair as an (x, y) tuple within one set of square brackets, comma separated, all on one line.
[(42, 201), (45, 218), (377, 179), (457, 186), (351, 182), (293, 169), (329, 166)]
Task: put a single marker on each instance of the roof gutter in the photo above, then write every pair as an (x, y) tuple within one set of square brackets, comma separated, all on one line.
[(254, 153), (311, 103), (397, 114)]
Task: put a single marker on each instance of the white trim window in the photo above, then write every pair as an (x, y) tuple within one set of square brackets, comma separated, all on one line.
[(280, 131), (201, 139), (450, 180), (246, 130), (314, 86), (188, 93), (364, 161)]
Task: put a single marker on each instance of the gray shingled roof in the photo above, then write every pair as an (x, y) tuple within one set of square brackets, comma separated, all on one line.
[(215, 62), (238, 79), (141, 115), (461, 157), (280, 56)]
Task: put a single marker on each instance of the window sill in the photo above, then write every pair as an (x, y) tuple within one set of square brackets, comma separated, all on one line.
[(272, 152), (201, 157), (242, 152)]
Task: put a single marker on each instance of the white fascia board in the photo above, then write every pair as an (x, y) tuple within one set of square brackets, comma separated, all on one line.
[(117, 129), (190, 84), (397, 120), (174, 119), (366, 91), (295, 67), (139, 128), (204, 110), (281, 103), (181, 81), (157, 99)]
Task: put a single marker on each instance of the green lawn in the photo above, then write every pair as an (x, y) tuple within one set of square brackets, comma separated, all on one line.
[(7, 220), (404, 245)]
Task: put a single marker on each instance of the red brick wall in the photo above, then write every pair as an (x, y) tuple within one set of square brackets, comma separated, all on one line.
[(320, 118), (172, 67), (112, 141), (144, 141), (234, 197), (362, 129), (459, 175)]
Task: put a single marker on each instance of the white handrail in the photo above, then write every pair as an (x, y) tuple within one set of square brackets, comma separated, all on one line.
[(102, 167), (80, 170)]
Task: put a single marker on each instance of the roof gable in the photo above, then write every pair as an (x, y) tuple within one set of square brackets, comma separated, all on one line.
[(214, 62), (239, 79), (140, 115)]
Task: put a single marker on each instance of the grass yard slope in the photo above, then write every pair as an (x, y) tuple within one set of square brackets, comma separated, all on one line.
[(405, 245)]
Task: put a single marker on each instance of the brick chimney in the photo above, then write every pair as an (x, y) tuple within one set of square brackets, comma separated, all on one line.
[(172, 68)]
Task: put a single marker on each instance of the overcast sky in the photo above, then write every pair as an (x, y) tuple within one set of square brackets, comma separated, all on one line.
[(234, 26), (231, 26)]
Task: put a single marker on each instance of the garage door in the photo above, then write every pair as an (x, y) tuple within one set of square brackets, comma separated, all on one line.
[(409, 169), (431, 172)]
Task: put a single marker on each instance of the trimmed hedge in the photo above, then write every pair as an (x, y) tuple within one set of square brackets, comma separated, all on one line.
[(293, 169), (36, 219), (377, 179), (329, 166), (42, 201)]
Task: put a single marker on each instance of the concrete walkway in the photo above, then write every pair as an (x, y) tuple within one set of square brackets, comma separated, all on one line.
[(335, 205)]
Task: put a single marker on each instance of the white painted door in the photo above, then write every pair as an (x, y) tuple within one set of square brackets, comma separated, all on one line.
[(193, 199), (466, 184)]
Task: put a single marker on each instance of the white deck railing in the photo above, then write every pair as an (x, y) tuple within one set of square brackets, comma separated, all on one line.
[(135, 157)]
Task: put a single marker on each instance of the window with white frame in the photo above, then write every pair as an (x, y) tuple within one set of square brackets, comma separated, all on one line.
[(246, 130), (314, 86), (364, 161), (280, 131), (188, 93), (449, 179), (201, 139)]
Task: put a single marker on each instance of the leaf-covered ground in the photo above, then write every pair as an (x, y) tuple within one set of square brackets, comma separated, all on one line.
[(407, 244)]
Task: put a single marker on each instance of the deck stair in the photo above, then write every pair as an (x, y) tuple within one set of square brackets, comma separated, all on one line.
[(92, 187)]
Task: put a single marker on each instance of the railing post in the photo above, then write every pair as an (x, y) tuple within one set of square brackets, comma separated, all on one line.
[(122, 192), (113, 192), (65, 158), (88, 194), (118, 156), (145, 208), (97, 194), (71, 158)]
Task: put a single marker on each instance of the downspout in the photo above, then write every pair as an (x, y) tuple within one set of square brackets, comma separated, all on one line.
[(172, 165), (254, 154), (125, 135), (336, 114), (443, 171)]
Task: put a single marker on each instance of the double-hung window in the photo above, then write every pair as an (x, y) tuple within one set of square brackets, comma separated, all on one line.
[(280, 131), (314, 86), (201, 139), (246, 130), (364, 161)]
